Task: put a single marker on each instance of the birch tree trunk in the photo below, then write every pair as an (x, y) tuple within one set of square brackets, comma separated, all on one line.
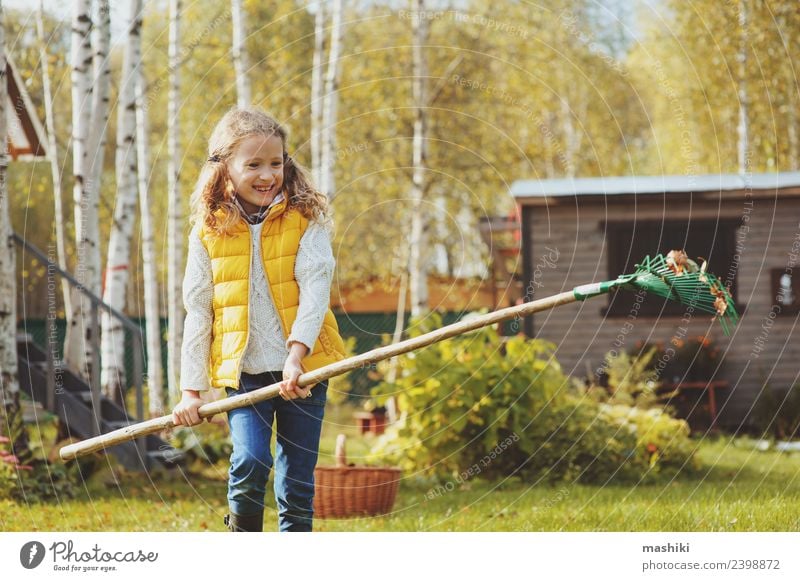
[(240, 60), (78, 340), (113, 377), (316, 93), (418, 270), (330, 105), (397, 336), (792, 46), (9, 379), (571, 109), (745, 166), (175, 211), (52, 150), (155, 374), (794, 142), (101, 89)]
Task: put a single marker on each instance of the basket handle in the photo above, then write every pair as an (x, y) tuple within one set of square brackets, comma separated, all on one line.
[(340, 453)]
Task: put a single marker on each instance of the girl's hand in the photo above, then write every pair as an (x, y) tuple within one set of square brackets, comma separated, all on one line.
[(291, 371), (185, 413)]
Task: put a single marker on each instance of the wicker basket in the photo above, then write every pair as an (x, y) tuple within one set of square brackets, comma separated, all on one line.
[(344, 491)]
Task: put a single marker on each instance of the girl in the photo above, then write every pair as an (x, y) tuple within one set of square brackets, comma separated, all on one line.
[(257, 294)]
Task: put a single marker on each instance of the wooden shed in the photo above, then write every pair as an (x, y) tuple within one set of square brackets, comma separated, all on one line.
[(576, 231)]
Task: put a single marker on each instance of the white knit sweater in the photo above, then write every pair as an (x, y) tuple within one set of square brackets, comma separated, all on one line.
[(266, 350)]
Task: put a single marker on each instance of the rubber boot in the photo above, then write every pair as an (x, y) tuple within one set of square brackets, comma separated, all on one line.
[(253, 523)]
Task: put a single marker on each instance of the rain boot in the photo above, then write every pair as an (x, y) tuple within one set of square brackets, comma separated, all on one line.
[(253, 523)]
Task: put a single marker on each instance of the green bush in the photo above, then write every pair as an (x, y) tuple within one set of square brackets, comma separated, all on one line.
[(776, 412), (33, 479), (630, 380), (479, 405), (208, 445)]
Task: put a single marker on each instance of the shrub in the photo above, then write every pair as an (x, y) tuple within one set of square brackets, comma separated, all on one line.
[(777, 412), (339, 387), (630, 380), (484, 406), (34, 479), (693, 359), (208, 445)]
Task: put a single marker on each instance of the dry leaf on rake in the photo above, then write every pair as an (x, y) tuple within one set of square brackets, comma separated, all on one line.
[(720, 300), (702, 276), (677, 261)]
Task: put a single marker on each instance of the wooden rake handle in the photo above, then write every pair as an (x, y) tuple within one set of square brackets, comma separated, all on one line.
[(312, 377)]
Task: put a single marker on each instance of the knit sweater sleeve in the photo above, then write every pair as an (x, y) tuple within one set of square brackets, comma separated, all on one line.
[(198, 297), (314, 272)]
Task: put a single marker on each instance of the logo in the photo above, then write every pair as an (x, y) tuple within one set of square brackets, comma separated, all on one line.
[(31, 554)]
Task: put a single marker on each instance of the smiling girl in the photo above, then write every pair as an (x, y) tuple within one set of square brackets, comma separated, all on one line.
[(257, 295)]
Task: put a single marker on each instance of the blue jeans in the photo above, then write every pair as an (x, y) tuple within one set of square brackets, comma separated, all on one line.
[(299, 423)]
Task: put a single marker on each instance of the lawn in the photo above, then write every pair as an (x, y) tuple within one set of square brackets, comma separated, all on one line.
[(740, 489)]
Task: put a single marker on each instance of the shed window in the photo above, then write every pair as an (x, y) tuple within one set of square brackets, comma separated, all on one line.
[(629, 242)]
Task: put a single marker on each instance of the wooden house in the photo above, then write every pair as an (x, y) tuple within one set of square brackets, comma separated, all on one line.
[(576, 231)]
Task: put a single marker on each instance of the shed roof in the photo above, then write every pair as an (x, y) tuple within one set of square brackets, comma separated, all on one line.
[(618, 185)]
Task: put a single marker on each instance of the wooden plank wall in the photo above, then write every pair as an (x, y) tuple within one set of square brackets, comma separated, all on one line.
[(568, 248)]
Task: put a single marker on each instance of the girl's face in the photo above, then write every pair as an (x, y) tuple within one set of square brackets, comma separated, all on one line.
[(256, 169)]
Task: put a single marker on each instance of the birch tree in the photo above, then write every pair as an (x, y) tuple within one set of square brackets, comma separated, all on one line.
[(119, 246), (85, 202), (240, 60), (330, 104), (155, 383), (101, 89), (52, 150), (316, 91), (418, 272), (742, 130), (9, 379), (175, 207)]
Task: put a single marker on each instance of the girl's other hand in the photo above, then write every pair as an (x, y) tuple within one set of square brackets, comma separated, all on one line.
[(186, 412), (291, 371)]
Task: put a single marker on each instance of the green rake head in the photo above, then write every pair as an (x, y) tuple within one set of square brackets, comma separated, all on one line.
[(677, 278)]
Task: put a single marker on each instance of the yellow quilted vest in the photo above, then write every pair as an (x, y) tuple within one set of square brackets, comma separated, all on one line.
[(230, 265)]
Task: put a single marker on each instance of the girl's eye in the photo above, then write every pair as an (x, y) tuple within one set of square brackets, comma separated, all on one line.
[(253, 165), (277, 164)]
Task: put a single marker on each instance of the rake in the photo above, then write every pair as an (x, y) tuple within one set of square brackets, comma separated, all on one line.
[(673, 276)]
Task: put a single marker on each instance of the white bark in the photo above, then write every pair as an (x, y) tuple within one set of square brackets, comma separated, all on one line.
[(316, 92), (113, 377), (85, 202), (101, 89), (794, 142), (52, 150), (155, 381), (9, 381), (397, 336), (240, 60), (331, 104), (571, 109), (418, 268), (743, 129), (175, 210), (794, 103)]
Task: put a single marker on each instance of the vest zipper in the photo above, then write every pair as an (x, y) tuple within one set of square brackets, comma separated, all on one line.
[(249, 284), (249, 289)]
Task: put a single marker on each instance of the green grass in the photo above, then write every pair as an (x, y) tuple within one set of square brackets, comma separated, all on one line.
[(739, 489)]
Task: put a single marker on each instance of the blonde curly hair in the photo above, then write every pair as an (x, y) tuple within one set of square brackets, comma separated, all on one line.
[(212, 201)]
